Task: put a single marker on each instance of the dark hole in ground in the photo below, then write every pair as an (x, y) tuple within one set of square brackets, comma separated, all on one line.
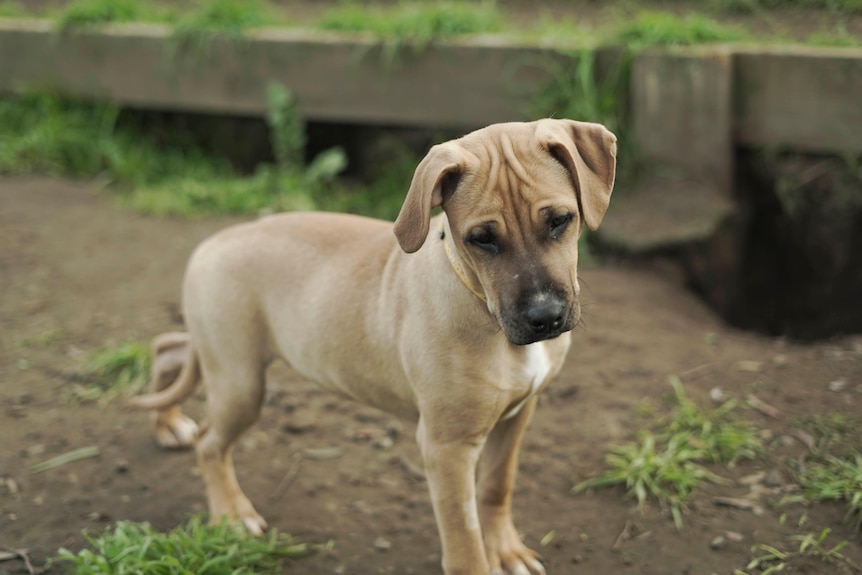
[(788, 263)]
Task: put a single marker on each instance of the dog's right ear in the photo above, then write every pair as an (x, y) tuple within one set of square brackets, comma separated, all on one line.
[(435, 177)]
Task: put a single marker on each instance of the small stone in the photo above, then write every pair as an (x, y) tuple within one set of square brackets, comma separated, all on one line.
[(122, 466), (750, 366), (837, 385), (323, 453), (297, 427), (775, 478), (717, 543), (734, 536), (11, 485), (753, 479), (779, 360), (786, 440), (716, 394), (370, 416), (393, 429), (24, 399), (384, 443), (627, 559), (382, 544)]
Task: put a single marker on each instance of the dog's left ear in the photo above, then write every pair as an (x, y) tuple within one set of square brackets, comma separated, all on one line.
[(435, 177), (589, 152)]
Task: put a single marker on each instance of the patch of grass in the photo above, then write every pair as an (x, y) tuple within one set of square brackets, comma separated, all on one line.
[(414, 24), (113, 371), (715, 432), (287, 185), (831, 478), (44, 338), (42, 133), (835, 433), (137, 548), (770, 559), (575, 92), (845, 6), (666, 465), (837, 39), (47, 134), (81, 13), (267, 190), (220, 19), (12, 9), (667, 470), (668, 29)]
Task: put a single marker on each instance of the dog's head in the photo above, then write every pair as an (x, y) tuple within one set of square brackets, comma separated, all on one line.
[(516, 198)]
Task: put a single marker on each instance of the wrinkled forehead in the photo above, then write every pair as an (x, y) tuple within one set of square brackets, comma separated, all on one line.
[(511, 166), (505, 140)]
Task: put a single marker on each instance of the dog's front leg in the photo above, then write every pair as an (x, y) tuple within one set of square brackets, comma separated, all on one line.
[(450, 467), (497, 470)]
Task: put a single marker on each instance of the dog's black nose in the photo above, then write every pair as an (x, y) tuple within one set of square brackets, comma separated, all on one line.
[(545, 316)]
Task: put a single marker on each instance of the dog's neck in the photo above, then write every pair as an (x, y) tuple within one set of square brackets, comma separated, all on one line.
[(456, 264)]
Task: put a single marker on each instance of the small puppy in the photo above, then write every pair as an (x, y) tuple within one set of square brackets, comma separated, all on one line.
[(456, 320)]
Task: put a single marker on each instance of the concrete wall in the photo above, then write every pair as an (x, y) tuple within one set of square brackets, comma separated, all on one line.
[(801, 98), (334, 77), (805, 98)]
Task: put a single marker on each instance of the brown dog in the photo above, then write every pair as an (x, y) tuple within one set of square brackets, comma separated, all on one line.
[(459, 327)]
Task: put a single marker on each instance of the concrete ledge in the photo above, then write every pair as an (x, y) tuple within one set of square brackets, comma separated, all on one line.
[(334, 77), (663, 212), (799, 97)]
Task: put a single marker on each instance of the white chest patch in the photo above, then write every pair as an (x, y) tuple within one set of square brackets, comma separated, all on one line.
[(536, 369)]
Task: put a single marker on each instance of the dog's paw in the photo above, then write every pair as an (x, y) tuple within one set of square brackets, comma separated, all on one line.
[(524, 562), (508, 555), (256, 524), (175, 430)]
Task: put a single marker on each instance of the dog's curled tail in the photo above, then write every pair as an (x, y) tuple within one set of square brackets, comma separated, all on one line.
[(175, 372)]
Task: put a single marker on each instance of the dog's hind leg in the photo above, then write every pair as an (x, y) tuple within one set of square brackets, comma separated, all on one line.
[(171, 352), (234, 398)]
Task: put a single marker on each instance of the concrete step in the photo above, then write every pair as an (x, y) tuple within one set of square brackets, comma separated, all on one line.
[(662, 212)]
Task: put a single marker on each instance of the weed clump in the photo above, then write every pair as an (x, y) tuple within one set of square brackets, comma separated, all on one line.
[(667, 465), (195, 547), (111, 372)]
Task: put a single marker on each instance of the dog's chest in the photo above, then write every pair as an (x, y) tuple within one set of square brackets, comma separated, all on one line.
[(535, 370)]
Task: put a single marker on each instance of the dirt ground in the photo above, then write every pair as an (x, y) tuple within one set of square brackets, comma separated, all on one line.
[(78, 273)]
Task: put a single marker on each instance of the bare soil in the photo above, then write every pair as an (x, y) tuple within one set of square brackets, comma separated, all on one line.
[(78, 273)]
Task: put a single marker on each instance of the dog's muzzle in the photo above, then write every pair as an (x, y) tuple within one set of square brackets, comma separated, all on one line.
[(540, 316)]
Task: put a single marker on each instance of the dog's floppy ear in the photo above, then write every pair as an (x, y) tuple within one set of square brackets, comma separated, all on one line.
[(589, 152), (435, 176)]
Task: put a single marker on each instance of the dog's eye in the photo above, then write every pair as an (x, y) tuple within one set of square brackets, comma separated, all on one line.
[(485, 240), (558, 224)]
